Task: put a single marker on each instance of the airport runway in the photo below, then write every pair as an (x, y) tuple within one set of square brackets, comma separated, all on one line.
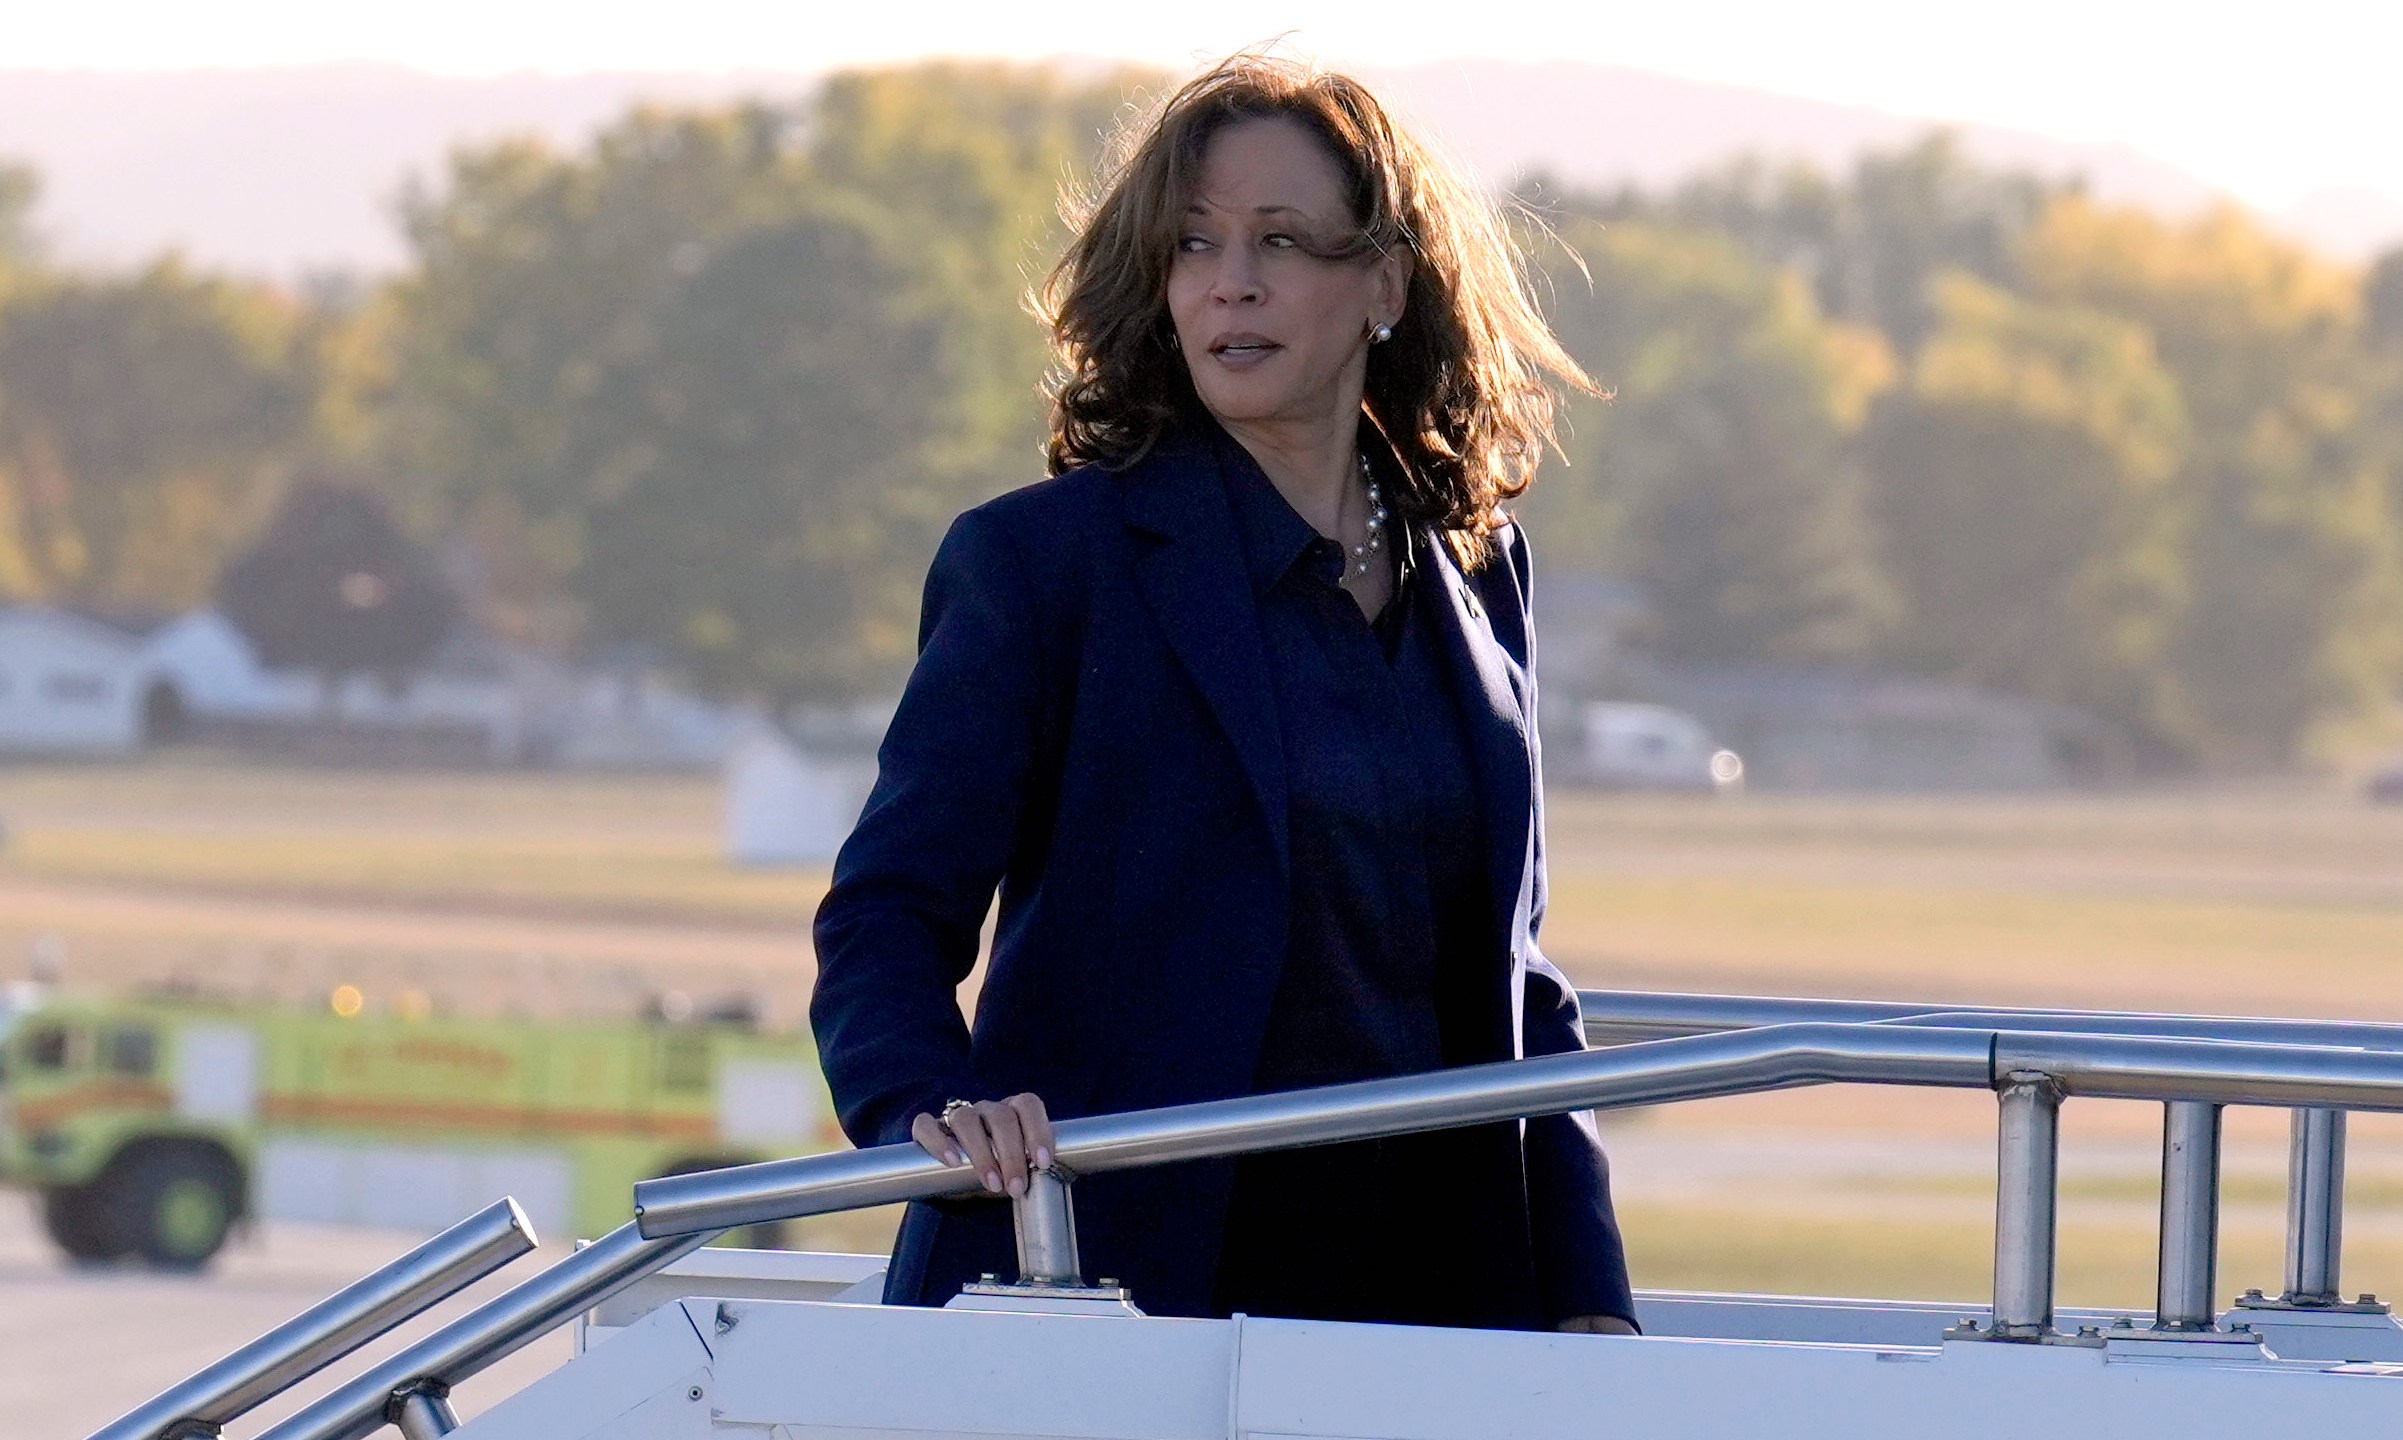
[(79, 1347)]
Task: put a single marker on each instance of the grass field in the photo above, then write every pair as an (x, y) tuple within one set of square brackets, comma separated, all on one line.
[(570, 892)]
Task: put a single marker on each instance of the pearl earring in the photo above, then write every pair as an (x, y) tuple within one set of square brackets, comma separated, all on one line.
[(1379, 334)]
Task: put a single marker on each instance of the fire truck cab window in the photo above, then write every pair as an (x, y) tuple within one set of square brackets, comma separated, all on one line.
[(49, 1048), (133, 1050)]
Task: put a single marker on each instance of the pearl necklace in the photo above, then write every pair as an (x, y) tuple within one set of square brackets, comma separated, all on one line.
[(1369, 547)]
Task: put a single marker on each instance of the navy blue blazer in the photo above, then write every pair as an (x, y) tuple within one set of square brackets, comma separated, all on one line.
[(1090, 730)]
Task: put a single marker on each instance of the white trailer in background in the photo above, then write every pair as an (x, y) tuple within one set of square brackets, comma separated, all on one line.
[(675, 1342), (69, 685)]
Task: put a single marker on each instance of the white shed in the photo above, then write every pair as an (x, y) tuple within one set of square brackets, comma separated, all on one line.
[(68, 685), (504, 698), (787, 806), (631, 715), (216, 672)]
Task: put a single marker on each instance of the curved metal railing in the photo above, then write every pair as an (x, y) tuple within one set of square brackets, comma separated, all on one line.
[(2032, 1072), (332, 1328), (2315, 1166), (1617, 1017), (1736, 1063)]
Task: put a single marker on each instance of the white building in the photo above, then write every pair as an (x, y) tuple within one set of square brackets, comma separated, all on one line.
[(69, 685), (74, 685), (474, 685), (786, 805), (499, 701), (628, 713), (217, 675)]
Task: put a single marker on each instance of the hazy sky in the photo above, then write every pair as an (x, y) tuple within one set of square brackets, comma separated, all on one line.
[(2273, 102)]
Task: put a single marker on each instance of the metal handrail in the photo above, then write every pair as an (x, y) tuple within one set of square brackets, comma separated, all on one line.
[(332, 1328), (2316, 1150), (474, 1341), (1659, 1072), (1614, 1017), (855, 1179), (1694, 1067), (2033, 1071)]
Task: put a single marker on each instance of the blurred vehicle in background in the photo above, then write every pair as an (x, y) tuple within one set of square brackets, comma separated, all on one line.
[(1651, 747), (150, 1128), (2385, 784)]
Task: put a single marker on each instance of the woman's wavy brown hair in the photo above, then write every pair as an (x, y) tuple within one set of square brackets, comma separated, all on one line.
[(1464, 392)]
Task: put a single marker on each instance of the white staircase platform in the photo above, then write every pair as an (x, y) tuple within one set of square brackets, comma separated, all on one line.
[(737, 1360)]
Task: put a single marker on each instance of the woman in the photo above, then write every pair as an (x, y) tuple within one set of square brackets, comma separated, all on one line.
[(1236, 712)]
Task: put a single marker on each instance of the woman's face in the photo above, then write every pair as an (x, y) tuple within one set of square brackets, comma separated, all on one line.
[(1270, 331)]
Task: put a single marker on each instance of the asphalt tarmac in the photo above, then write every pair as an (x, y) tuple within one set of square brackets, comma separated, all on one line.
[(80, 1346)]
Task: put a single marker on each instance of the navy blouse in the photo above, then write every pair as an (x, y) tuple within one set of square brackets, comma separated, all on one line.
[(1388, 890), (1389, 966)]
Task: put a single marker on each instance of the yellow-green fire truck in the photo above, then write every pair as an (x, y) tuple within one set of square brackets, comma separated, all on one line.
[(149, 1128)]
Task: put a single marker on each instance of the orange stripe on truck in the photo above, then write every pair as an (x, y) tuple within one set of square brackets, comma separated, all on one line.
[(508, 1119), (49, 1110)]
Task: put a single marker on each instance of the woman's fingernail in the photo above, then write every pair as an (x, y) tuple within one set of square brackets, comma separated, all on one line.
[(953, 1157), (1017, 1187), (1043, 1157), (993, 1181)]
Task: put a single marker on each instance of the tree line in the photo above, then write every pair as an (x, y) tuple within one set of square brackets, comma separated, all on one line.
[(714, 383), (1973, 425)]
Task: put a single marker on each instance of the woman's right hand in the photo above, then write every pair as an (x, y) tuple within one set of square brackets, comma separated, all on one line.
[(1006, 1140)]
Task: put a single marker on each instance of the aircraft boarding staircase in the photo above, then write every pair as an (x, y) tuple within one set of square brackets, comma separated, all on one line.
[(678, 1342)]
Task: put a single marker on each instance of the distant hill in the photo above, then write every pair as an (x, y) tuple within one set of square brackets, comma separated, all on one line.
[(284, 171)]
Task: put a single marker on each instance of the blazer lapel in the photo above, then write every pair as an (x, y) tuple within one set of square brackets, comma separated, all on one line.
[(1493, 704), (1197, 588)]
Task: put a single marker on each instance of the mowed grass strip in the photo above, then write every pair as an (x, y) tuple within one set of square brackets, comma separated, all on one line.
[(2295, 830), (1861, 937), (581, 847), (609, 875), (2274, 903), (187, 787)]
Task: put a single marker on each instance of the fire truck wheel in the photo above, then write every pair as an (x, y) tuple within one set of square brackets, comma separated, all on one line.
[(79, 1223), (177, 1203)]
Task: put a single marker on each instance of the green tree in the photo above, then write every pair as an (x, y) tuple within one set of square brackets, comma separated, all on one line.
[(145, 424), (538, 274), (760, 493), (333, 586), (1872, 244), (20, 186), (2296, 613), (725, 375), (1718, 477), (968, 159), (2023, 483), (2382, 303)]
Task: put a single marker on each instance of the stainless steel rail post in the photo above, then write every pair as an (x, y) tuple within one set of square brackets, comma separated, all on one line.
[(2187, 1299), (333, 1327), (423, 1415), (1047, 1231), (2026, 1194), (2315, 1208), (2315, 1190)]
